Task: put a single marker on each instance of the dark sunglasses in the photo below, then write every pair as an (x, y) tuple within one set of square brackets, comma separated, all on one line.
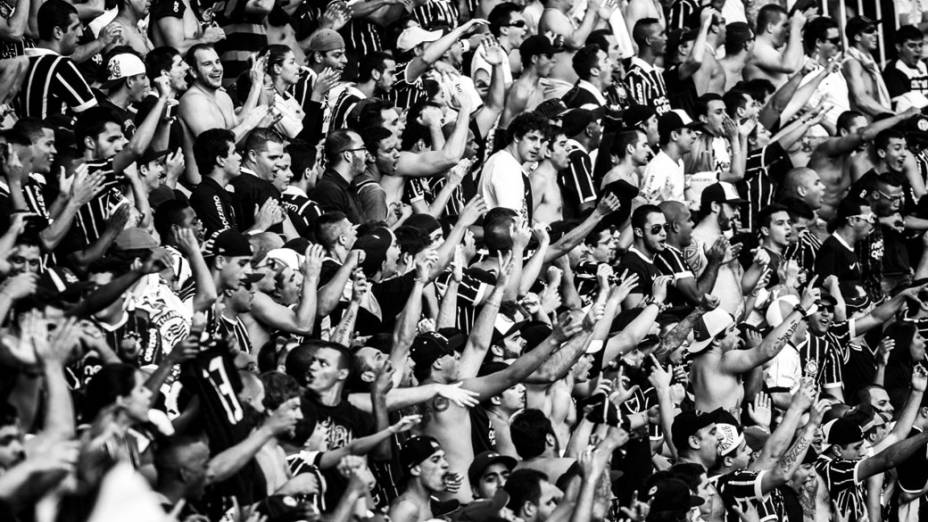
[(869, 30), (656, 229), (834, 41), (517, 23)]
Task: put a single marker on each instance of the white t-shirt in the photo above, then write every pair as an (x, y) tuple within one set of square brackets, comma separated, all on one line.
[(663, 180), (502, 182)]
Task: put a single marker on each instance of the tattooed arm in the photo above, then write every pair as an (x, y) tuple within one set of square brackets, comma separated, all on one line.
[(791, 460), (740, 361)]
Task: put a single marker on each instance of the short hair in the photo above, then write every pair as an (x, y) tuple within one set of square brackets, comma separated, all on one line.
[(882, 139), (891, 179), (52, 14), (675, 39), (327, 228), (159, 59), (641, 31), (524, 485), (92, 122), (278, 389), (640, 215), (302, 157), (372, 138), (167, 215), (846, 118), (585, 60), (499, 16), (212, 144), (798, 208), (734, 100), (369, 113), (496, 225), (411, 240), (375, 61), (599, 38), (758, 88), (864, 394), (766, 214), (336, 143), (736, 35), (528, 431), (32, 127), (415, 131), (526, 123), (191, 56), (702, 103), (300, 358), (15, 136), (908, 32), (622, 141), (767, 16), (258, 139), (816, 30)]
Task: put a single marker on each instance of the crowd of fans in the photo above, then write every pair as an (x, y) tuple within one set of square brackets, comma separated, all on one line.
[(545, 261)]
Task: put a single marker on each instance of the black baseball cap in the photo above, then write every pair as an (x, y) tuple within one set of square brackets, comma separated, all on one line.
[(427, 348), (374, 244), (231, 243), (575, 121), (674, 120), (636, 114), (844, 431), (857, 25), (687, 423), (551, 109), (721, 192), (484, 460), (417, 449), (672, 494)]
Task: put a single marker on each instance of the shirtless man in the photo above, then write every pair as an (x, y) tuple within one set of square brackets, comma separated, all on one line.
[(770, 59), (630, 153), (177, 25), (719, 362), (546, 194), (710, 77), (526, 93), (836, 159), (427, 465), (555, 20), (206, 105), (127, 17), (865, 84), (739, 46), (447, 420)]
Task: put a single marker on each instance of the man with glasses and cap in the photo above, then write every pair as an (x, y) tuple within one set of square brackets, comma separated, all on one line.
[(868, 91)]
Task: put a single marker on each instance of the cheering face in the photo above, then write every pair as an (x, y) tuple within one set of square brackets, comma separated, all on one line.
[(715, 117), (25, 258), (12, 451), (821, 320), (431, 471), (289, 286), (492, 478), (267, 161), (557, 152), (43, 152), (917, 348), (208, 68), (388, 155), (895, 154), (325, 370), (178, 73), (513, 399), (780, 230), (139, 87), (741, 457), (336, 59), (655, 232)]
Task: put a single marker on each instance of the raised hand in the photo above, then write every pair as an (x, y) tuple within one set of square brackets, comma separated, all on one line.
[(336, 15), (627, 283), (659, 288), (212, 34), (383, 383), (604, 274), (312, 262), (919, 379), (186, 240), (458, 395), (520, 233), (761, 410), (424, 265), (568, 325), (608, 204), (505, 270), (360, 285), (810, 295), (20, 285), (327, 79), (158, 260), (119, 218), (405, 424)]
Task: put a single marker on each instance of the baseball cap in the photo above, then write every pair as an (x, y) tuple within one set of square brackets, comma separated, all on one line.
[(231, 243), (283, 257), (427, 348), (374, 244), (721, 192), (707, 327), (843, 431), (675, 119), (729, 432), (151, 154), (417, 449), (135, 238), (484, 460), (326, 40), (857, 25), (851, 207), (687, 423), (456, 338), (636, 114), (423, 222), (122, 65), (536, 45), (414, 36), (551, 109), (575, 121), (483, 509), (672, 494)]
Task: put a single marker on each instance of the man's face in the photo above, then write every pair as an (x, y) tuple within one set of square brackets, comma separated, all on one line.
[(741, 457), (814, 189), (557, 152), (641, 154), (879, 399), (910, 52), (655, 232), (388, 154), (387, 77), (529, 146), (544, 65), (348, 233), (684, 228), (336, 59), (109, 142), (779, 30), (548, 501), (894, 154), (649, 126), (139, 86), (195, 470), (281, 177), (267, 161), (831, 46), (886, 199), (780, 228), (863, 222), (867, 38), (708, 443), (393, 122), (268, 271), (191, 220), (178, 73), (604, 249), (290, 410), (513, 398), (140, 7), (370, 359), (234, 270), (687, 137), (209, 68), (43, 152), (232, 165), (25, 258), (715, 117), (515, 30), (728, 216), (821, 320), (71, 35), (658, 39), (853, 451), (432, 472), (325, 370), (492, 478), (12, 451), (606, 66), (152, 173)]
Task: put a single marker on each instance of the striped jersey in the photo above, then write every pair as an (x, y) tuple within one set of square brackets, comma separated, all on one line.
[(576, 181), (362, 37), (646, 86), (92, 218), (845, 490), (764, 169), (435, 13), (53, 86), (683, 15)]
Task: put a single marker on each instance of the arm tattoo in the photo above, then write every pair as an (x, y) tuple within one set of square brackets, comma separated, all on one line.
[(678, 334), (797, 451)]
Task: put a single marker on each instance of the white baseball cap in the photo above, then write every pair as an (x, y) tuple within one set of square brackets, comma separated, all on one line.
[(707, 327), (414, 36), (123, 65)]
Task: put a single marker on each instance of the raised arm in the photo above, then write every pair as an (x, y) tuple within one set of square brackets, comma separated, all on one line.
[(206, 288), (345, 330), (478, 343), (891, 456), (532, 269), (146, 131), (417, 164), (487, 116), (694, 61), (301, 320), (331, 293), (230, 461), (885, 312), (433, 52), (607, 205), (769, 115)]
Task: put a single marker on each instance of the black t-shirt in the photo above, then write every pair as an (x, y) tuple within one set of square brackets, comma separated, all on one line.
[(392, 295), (834, 258), (635, 262), (482, 434)]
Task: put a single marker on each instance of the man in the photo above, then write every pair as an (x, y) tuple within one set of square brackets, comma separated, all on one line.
[(53, 85), (537, 55), (718, 212), (688, 290), (643, 118), (778, 45), (294, 198), (489, 472), (663, 178), (710, 76), (696, 439), (127, 85), (650, 229), (128, 15), (263, 151), (884, 258), (720, 151), (775, 232), (326, 59), (906, 77), (739, 47), (645, 82), (838, 256), (508, 25), (376, 75), (532, 497), (805, 244), (631, 154), (424, 460), (538, 445), (840, 159), (546, 193), (594, 70), (822, 41), (557, 20), (868, 91), (220, 163), (206, 105), (178, 25), (346, 159), (584, 131), (503, 180)]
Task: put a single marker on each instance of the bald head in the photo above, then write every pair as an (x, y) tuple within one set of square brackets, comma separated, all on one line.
[(674, 211), (176, 454), (805, 184)]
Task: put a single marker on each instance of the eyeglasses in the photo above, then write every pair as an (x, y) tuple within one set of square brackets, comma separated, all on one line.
[(517, 23), (869, 30), (891, 197), (869, 218), (353, 150), (834, 41), (656, 229)]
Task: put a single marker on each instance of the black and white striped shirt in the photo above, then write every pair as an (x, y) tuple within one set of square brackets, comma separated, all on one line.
[(362, 37), (576, 181), (53, 86), (92, 218), (646, 86), (435, 13), (764, 170)]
